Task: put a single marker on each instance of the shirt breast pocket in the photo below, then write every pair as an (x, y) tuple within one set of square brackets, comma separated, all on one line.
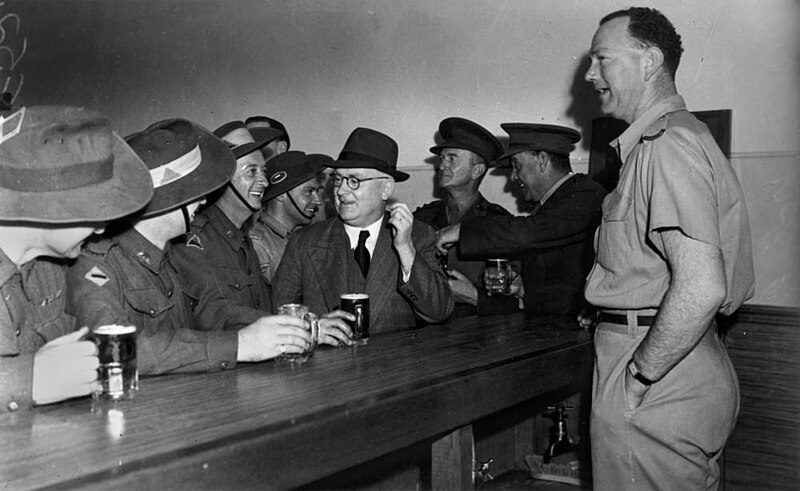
[(616, 207), (149, 306)]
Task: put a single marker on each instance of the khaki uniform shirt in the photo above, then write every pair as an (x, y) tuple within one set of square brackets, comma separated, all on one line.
[(269, 238), (31, 314), (673, 176)]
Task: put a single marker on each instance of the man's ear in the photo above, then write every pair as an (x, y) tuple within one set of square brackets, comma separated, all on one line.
[(388, 188), (652, 60), (477, 171), (282, 146)]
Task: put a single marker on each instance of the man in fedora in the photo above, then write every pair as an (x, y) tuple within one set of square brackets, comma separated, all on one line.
[(63, 175), (127, 277), (370, 247), (467, 151), (290, 202), (554, 242)]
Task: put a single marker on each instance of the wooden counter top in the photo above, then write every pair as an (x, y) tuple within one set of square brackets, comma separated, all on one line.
[(278, 427)]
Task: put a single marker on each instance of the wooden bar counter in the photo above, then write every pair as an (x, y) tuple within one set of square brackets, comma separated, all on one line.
[(267, 426)]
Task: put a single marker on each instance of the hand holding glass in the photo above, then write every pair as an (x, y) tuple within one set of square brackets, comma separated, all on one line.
[(312, 325)]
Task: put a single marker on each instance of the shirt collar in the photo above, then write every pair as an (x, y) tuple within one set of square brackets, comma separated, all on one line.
[(7, 268), (353, 232), (225, 227), (277, 227), (137, 245), (631, 137), (554, 187)]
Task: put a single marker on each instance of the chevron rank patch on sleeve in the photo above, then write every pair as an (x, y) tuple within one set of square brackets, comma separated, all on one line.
[(96, 276)]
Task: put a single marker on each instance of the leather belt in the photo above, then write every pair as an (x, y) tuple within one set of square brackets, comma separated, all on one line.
[(641, 320)]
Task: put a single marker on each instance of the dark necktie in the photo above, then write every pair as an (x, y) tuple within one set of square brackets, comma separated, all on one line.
[(361, 253)]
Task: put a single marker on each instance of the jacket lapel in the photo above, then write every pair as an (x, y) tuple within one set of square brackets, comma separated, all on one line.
[(328, 262)]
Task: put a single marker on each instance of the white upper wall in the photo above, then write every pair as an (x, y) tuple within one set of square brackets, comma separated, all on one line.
[(325, 67)]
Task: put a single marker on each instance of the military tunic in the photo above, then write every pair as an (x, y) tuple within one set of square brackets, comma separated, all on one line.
[(269, 237), (554, 244), (435, 215), (32, 300), (125, 279), (218, 253)]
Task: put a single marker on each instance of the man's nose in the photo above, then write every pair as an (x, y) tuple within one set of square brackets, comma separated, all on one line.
[(591, 72)]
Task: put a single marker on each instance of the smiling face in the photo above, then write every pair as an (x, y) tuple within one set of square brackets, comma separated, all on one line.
[(307, 197), (528, 175), (363, 206), (616, 70), (456, 168), (249, 179)]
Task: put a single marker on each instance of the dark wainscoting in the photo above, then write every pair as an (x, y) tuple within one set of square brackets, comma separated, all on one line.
[(764, 450)]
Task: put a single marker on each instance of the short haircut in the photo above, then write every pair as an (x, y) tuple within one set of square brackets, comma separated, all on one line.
[(560, 162), (651, 28)]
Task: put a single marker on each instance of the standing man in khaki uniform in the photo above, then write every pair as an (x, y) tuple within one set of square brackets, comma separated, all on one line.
[(673, 251)]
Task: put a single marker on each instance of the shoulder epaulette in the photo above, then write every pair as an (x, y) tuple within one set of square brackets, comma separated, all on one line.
[(99, 246), (430, 206)]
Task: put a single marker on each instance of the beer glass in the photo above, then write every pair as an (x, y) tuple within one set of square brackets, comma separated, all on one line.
[(119, 375), (358, 305), (496, 277), (312, 325)]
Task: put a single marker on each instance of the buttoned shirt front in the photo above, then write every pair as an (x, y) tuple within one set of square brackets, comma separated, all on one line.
[(217, 253), (674, 176), (32, 299)]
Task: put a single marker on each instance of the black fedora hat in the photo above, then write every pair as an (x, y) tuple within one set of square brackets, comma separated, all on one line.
[(186, 162), (552, 138), (266, 128), (239, 139), (288, 170), (370, 149), (467, 135), (61, 164)]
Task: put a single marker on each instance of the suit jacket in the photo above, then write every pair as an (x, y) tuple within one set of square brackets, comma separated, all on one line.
[(315, 266), (554, 243)]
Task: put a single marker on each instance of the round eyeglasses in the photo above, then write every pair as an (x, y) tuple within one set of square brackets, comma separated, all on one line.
[(352, 182)]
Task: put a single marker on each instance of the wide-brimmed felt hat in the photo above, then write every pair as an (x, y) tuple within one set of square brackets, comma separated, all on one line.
[(239, 139), (61, 164), (186, 162), (263, 127), (319, 160), (524, 137), (288, 170), (467, 135), (370, 149)]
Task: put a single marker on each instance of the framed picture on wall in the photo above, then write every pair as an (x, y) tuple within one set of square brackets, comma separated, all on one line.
[(604, 164)]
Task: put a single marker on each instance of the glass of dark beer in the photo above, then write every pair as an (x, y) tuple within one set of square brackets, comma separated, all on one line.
[(358, 305), (119, 375)]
